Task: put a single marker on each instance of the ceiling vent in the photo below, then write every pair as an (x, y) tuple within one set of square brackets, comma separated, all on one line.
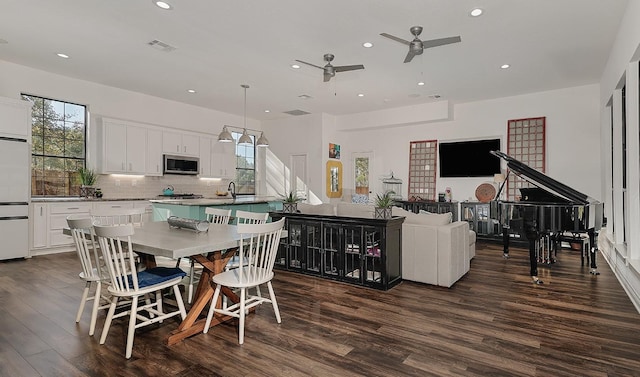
[(304, 96), (161, 46), (296, 112)]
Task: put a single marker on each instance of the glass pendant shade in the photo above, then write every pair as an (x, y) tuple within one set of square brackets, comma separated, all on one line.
[(225, 136), (245, 138), (262, 140)]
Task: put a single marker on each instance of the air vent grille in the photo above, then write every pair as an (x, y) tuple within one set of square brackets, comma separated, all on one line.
[(296, 112), (159, 45)]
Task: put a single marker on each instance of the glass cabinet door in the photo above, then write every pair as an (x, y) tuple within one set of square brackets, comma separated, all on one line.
[(373, 266), (295, 245), (313, 250), (331, 250), (353, 248)]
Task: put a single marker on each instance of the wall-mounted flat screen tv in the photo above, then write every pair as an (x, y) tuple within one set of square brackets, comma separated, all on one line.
[(468, 158)]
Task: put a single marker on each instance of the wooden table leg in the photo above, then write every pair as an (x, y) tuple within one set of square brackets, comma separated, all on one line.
[(213, 264)]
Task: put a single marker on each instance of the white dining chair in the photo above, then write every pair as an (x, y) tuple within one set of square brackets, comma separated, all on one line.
[(128, 283), (247, 217), (119, 216), (257, 254), (92, 269), (214, 216)]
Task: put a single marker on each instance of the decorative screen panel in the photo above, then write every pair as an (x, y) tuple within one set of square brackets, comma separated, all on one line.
[(525, 143), (422, 169)]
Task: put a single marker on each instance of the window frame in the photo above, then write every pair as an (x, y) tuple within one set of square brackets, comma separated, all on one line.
[(68, 176), (241, 187)]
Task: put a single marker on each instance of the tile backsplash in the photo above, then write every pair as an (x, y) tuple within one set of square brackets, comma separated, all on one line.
[(124, 187)]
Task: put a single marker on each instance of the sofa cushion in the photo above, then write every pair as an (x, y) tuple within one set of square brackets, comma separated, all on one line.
[(317, 209), (354, 210), (427, 218), (423, 218)]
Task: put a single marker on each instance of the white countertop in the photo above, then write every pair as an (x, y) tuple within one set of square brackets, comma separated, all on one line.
[(251, 199)]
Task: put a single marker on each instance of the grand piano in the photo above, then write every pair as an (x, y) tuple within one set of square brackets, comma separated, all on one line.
[(544, 212)]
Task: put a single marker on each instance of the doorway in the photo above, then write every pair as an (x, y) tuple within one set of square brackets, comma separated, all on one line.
[(362, 172)]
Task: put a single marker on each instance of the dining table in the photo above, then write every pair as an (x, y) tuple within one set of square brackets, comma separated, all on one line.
[(212, 249)]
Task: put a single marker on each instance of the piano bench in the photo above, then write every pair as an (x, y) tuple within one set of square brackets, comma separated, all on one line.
[(580, 239)]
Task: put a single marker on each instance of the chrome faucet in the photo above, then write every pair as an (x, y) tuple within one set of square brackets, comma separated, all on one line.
[(232, 189)]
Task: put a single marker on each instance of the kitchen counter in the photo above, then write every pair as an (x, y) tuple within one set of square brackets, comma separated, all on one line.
[(50, 199), (195, 208), (251, 199)]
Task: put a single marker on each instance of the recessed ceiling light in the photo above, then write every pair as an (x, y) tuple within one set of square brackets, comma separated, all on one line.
[(267, 111), (63, 55), (505, 66), (420, 83), (162, 4), (191, 90), (475, 12), (295, 66), (360, 95), (367, 45)]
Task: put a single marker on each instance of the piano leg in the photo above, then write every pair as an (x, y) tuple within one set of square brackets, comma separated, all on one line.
[(593, 242), (533, 260), (505, 242)]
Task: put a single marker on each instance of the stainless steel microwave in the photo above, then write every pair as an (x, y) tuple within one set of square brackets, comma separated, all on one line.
[(181, 165)]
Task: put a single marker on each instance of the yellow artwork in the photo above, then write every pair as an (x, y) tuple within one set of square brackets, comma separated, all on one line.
[(334, 179)]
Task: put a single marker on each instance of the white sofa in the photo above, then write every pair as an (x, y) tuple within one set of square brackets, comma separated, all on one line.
[(435, 250)]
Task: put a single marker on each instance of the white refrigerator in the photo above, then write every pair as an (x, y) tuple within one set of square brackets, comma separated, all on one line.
[(15, 156)]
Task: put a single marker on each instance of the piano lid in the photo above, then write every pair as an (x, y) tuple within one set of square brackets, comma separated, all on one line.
[(544, 182)]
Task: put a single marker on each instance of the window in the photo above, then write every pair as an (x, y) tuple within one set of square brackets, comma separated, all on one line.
[(525, 143), (58, 146), (422, 169), (245, 166)]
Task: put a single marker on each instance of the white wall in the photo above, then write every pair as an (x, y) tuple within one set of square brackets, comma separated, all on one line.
[(573, 138), (624, 262), (113, 102)]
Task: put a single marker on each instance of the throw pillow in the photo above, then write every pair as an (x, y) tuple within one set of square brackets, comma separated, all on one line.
[(435, 218), (360, 198)]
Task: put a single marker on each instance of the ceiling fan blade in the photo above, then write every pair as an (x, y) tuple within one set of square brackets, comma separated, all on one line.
[(410, 56), (395, 38), (343, 68), (327, 76), (313, 65), (441, 41)]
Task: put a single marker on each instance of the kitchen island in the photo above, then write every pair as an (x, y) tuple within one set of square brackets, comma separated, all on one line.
[(194, 208)]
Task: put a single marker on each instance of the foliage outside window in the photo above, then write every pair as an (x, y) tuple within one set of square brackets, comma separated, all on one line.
[(245, 166), (58, 150)]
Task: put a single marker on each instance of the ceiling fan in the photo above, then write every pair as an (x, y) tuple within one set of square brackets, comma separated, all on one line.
[(416, 46), (330, 70)]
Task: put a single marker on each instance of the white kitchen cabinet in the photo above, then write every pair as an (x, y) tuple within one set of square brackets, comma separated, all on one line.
[(14, 118), (223, 160), (154, 164), (205, 158), (180, 144), (58, 213), (124, 148), (40, 225)]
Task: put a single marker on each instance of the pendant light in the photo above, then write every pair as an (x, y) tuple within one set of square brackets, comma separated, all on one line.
[(245, 138), (262, 140), (225, 136)]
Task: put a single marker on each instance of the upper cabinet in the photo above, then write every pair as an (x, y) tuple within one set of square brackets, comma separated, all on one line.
[(124, 148), (223, 160), (205, 158), (180, 144), (15, 118), (154, 153)]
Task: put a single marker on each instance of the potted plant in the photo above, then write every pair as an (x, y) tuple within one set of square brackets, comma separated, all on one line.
[(87, 178), (383, 204), (290, 202)]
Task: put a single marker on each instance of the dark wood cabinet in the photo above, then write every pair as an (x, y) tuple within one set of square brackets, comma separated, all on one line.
[(416, 206), (360, 251)]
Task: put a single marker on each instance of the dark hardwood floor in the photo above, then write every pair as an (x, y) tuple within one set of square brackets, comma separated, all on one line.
[(493, 322)]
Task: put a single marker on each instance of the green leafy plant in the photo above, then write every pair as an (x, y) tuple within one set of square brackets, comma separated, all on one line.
[(87, 177), (292, 197), (385, 200)]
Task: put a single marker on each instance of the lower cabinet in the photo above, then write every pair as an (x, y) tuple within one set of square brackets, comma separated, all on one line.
[(360, 251)]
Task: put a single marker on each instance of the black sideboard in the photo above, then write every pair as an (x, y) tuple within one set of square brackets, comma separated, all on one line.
[(359, 251), (416, 206)]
